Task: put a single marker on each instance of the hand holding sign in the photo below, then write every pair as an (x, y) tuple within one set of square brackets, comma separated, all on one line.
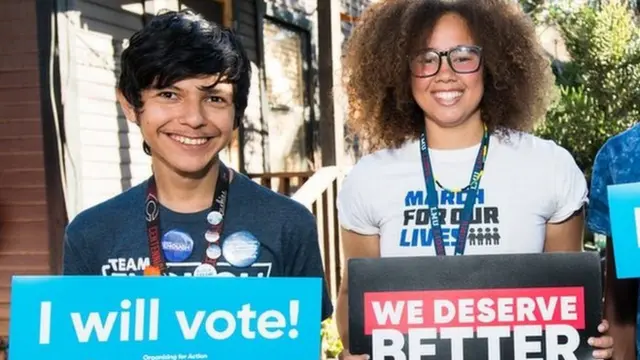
[(605, 343), (624, 216)]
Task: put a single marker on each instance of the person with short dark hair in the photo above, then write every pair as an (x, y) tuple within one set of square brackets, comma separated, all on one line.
[(185, 82), (445, 93)]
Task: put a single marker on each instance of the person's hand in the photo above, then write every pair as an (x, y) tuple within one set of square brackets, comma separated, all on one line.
[(345, 355), (604, 344)]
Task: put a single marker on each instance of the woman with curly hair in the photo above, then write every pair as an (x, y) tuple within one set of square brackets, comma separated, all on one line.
[(445, 93)]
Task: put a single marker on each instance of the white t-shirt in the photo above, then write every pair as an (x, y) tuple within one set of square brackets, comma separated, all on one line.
[(527, 182)]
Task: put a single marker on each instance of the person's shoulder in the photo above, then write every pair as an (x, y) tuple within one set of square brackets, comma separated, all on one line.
[(627, 137), (95, 217), (624, 143), (271, 204), (369, 165), (521, 140), (619, 154), (533, 148)]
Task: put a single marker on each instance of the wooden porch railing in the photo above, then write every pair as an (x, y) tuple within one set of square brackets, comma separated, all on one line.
[(319, 195), (282, 182), (317, 191)]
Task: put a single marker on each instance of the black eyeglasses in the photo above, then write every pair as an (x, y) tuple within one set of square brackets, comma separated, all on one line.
[(461, 59)]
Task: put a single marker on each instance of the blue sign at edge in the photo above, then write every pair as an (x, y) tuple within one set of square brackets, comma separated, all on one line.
[(623, 200), (164, 318)]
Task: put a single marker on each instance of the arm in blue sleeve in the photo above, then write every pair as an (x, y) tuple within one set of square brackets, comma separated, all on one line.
[(598, 212)]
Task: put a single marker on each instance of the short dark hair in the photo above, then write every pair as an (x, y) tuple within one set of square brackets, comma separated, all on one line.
[(382, 110), (177, 45)]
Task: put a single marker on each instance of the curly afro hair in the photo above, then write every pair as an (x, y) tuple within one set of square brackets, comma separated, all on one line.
[(382, 111)]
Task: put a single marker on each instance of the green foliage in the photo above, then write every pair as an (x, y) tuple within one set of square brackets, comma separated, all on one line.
[(331, 344), (599, 90)]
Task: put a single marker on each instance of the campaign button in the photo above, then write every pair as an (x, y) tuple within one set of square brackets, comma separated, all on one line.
[(214, 251), (241, 249), (205, 270), (214, 218), (212, 236), (177, 245)]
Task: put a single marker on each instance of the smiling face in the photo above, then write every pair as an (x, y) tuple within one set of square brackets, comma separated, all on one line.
[(187, 124), (449, 98)]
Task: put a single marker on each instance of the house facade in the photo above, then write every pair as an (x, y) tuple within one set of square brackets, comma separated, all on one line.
[(103, 154), (67, 145)]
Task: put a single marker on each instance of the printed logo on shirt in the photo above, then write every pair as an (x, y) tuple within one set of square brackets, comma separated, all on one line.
[(136, 266), (484, 229)]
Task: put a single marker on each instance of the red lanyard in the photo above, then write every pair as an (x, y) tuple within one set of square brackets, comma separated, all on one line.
[(215, 219)]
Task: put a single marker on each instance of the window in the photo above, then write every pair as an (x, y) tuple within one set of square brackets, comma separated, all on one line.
[(283, 67)]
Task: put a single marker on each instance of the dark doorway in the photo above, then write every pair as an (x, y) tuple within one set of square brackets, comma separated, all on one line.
[(210, 9)]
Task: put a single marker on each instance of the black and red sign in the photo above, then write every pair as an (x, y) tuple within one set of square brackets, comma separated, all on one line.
[(533, 306)]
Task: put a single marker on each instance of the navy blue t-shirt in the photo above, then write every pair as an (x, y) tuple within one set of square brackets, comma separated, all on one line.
[(111, 238)]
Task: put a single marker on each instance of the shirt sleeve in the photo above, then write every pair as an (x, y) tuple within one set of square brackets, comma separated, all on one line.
[(354, 205), (570, 186), (302, 256), (598, 212)]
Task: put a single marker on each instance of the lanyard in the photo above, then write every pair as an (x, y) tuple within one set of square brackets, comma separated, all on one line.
[(214, 218), (432, 195)]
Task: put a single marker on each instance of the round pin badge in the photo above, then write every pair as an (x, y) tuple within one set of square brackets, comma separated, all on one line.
[(205, 270), (212, 236), (177, 245), (214, 218), (214, 251), (241, 249)]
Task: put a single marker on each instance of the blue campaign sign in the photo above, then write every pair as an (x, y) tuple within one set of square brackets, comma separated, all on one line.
[(624, 214), (164, 318)]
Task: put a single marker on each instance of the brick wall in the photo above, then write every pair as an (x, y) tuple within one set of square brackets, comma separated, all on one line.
[(24, 220)]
